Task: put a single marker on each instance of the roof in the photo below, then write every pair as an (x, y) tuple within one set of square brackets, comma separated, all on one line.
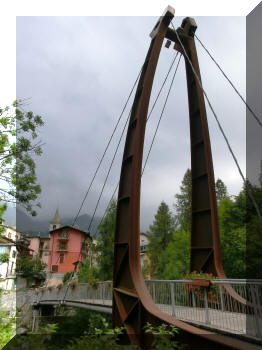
[(71, 227), (6, 241), (56, 219), (10, 227), (31, 234)]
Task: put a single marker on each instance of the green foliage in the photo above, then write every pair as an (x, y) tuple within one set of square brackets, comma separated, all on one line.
[(175, 259), (159, 235), (183, 202), (88, 273), (254, 248), (4, 258), (66, 277), (40, 340), (163, 337), (233, 243), (7, 328), (18, 132), (105, 339), (184, 199), (105, 244), (101, 336), (221, 190), (30, 267)]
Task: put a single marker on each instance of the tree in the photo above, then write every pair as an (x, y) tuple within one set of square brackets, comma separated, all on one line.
[(175, 260), (184, 199), (159, 235), (234, 260), (105, 244), (221, 190), (183, 202), (4, 258), (87, 273), (18, 132), (31, 268)]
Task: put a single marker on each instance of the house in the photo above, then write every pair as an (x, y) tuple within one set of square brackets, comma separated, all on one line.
[(8, 255), (10, 232), (143, 248), (67, 246), (39, 243)]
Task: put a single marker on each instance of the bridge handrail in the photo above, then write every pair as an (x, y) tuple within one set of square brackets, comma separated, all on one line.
[(177, 298)]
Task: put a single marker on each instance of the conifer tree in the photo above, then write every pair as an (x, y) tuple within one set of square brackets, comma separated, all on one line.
[(160, 234)]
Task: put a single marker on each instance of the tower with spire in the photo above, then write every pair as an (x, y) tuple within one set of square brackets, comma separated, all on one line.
[(55, 223)]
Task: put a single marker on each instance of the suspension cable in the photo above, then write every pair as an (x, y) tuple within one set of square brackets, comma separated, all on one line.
[(154, 133), (109, 170), (94, 176), (160, 116), (73, 272), (153, 106), (230, 82), (220, 127), (115, 130), (110, 139)]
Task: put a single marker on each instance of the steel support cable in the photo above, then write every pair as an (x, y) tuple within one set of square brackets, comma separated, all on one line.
[(73, 272), (110, 139), (230, 82), (154, 134), (164, 82), (101, 192), (109, 170), (116, 128), (153, 106), (161, 115), (220, 128)]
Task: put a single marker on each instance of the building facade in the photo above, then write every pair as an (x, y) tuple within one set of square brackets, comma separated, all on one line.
[(40, 247), (68, 245), (8, 265)]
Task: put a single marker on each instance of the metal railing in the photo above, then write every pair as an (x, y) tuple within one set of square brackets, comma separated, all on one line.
[(215, 306), (99, 293)]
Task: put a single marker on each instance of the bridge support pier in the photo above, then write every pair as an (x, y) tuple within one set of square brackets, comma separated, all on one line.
[(39, 312)]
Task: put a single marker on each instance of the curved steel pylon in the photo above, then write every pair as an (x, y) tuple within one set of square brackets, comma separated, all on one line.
[(132, 303)]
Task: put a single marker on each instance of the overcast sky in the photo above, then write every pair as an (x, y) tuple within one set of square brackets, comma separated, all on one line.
[(77, 73)]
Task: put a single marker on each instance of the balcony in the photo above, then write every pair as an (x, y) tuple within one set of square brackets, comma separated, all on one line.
[(61, 248), (63, 236)]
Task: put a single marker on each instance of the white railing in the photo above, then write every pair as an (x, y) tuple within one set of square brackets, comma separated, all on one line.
[(98, 293), (223, 306), (216, 306)]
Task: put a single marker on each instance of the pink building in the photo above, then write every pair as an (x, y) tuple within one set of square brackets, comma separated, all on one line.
[(67, 246), (40, 246)]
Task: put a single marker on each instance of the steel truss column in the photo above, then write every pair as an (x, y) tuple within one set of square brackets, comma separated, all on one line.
[(128, 284), (205, 253)]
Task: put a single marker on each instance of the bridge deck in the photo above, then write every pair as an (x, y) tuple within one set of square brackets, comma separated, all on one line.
[(214, 319)]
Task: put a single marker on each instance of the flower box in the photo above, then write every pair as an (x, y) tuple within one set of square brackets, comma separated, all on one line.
[(202, 282)]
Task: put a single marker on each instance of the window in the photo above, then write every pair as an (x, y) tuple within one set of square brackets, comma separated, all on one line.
[(62, 246), (54, 227), (54, 268), (3, 250), (9, 234), (61, 258), (14, 254)]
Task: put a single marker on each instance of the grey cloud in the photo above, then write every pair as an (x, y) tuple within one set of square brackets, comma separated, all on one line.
[(78, 71)]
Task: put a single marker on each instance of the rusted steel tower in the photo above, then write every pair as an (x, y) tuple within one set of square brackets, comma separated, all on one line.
[(132, 303)]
